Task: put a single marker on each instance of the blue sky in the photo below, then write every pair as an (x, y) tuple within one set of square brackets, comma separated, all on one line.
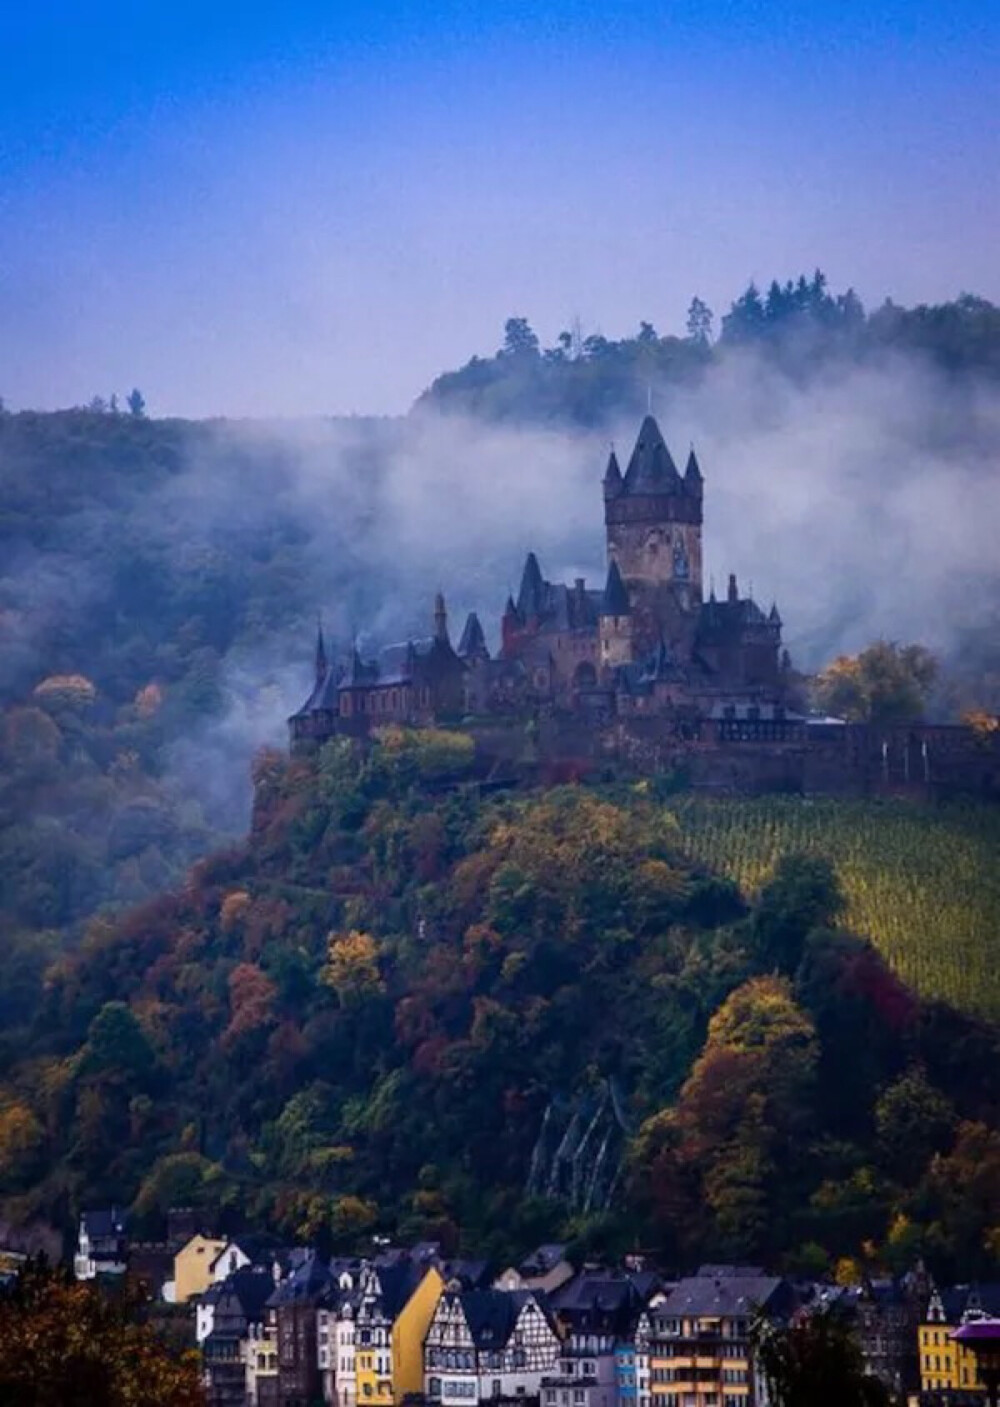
[(295, 208)]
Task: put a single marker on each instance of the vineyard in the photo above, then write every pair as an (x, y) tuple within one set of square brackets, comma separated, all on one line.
[(922, 883)]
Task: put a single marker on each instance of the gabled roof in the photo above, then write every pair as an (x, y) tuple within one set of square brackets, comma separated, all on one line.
[(651, 469), (726, 1291)]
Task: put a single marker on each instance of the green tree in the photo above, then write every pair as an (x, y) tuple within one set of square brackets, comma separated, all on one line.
[(913, 1121), (815, 1362), (886, 683), (802, 895), (699, 323), (136, 403), (519, 340)]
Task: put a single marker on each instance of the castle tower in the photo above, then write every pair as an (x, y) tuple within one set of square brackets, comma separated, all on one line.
[(615, 622), (653, 517)]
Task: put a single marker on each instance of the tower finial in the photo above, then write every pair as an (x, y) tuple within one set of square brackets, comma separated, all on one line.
[(321, 661), (440, 619)]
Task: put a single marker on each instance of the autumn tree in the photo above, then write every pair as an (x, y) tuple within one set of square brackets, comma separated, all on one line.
[(352, 966), (886, 683), (62, 1342)]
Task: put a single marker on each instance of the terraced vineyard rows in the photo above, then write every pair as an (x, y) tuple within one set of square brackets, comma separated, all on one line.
[(922, 883)]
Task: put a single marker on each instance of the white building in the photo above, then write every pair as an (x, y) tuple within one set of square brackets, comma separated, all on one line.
[(484, 1344)]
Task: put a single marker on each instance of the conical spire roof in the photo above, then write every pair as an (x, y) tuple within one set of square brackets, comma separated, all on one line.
[(650, 469), (773, 616), (473, 642), (321, 661), (529, 598), (692, 470), (613, 474), (615, 601)]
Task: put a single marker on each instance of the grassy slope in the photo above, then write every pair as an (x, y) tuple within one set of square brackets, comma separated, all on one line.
[(923, 884)]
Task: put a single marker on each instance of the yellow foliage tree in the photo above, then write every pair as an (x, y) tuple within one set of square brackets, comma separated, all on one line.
[(62, 1342), (352, 965)]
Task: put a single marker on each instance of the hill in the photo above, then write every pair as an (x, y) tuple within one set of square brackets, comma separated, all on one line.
[(490, 1020), (922, 883)]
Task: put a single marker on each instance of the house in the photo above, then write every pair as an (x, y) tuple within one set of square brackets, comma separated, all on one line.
[(546, 1269), (700, 1351), (488, 1345), (596, 1312), (887, 1314), (193, 1266), (947, 1366), (396, 1303), (292, 1318), (102, 1244), (238, 1332), (335, 1311)]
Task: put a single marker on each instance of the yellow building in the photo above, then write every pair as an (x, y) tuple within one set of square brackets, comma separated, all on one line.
[(699, 1354), (947, 1366), (397, 1303), (193, 1266)]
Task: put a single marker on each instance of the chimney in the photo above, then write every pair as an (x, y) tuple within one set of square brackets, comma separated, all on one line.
[(733, 593)]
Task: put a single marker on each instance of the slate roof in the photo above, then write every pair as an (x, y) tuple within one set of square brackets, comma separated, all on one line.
[(491, 1315), (651, 468), (723, 1291), (543, 1258), (615, 601), (252, 1287), (692, 470), (720, 622), (104, 1222), (473, 640), (306, 1282)]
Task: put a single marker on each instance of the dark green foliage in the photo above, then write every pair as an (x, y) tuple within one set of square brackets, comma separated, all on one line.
[(815, 1362)]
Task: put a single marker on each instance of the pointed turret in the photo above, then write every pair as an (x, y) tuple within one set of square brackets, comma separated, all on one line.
[(321, 660), (440, 620), (773, 616), (472, 645), (650, 469), (693, 480), (615, 601), (529, 598), (612, 477)]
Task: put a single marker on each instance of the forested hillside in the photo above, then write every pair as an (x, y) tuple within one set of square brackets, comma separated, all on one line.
[(159, 587), (369, 1013)]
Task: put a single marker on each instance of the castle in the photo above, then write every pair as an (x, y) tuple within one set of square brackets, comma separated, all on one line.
[(647, 642), (644, 671)]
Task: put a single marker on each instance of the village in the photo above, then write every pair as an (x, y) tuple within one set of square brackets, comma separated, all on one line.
[(280, 1326)]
